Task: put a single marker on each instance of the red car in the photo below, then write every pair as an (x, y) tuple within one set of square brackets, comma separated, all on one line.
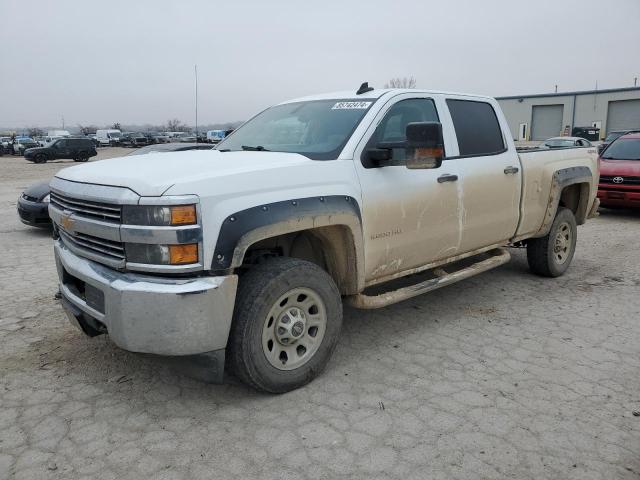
[(620, 173)]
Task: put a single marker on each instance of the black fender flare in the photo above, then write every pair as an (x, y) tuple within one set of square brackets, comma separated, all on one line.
[(242, 229), (560, 179)]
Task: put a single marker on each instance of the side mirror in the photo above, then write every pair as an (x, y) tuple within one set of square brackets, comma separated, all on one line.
[(425, 145)]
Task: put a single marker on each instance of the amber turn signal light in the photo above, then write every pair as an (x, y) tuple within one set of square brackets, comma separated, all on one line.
[(183, 215), (182, 254)]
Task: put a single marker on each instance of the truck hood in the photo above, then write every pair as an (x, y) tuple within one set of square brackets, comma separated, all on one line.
[(154, 173), (630, 168)]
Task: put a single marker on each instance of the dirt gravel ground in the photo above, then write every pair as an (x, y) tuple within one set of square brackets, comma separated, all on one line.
[(505, 375)]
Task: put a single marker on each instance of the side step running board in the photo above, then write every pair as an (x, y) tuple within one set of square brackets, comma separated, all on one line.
[(498, 257)]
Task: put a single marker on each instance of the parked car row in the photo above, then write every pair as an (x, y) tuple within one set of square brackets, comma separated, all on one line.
[(108, 137), (17, 145), (115, 137)]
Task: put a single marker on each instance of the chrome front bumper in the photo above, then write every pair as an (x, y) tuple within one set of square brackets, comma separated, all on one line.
[(143, 313)]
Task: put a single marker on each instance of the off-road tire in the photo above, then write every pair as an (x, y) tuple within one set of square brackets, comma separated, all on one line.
[(258, 292), (541, 254)]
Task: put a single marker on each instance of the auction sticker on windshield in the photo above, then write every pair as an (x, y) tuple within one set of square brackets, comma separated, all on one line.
[(351, 106)]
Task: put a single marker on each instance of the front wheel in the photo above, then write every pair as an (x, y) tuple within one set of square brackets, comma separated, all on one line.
[(40, 158), (287, 321), (551, 255)]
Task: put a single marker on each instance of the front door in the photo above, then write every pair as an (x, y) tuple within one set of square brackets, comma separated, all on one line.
[(61, 149), (410, 217)]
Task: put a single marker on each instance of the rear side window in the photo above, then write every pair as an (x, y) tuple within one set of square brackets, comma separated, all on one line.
[(477, 128)]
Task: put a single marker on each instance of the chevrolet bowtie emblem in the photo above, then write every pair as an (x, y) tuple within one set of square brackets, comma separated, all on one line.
[(68, 222)]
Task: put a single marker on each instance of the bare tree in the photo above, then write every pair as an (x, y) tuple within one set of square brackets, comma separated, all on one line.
[(405, 82), (175, 125), (35, 132), (116, 126), (86, 130)]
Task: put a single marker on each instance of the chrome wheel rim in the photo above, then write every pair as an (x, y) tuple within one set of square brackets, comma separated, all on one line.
[(562, 243), (294, 329)]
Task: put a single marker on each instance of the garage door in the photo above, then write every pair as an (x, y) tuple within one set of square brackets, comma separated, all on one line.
[(623, 115), (546, 121)]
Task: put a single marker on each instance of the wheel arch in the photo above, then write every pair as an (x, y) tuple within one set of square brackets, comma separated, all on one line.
[(325, 230), (570, 188)]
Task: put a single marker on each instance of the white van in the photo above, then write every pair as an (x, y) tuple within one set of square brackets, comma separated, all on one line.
[(58, 133), (109, 136), (215, 136)]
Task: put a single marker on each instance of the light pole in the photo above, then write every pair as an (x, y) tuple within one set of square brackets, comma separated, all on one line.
[(196, 73)]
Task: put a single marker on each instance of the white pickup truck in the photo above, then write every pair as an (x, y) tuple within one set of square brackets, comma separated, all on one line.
[(244, 254)]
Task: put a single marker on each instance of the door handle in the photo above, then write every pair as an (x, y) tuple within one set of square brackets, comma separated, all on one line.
[(511, 170), (447, 177)]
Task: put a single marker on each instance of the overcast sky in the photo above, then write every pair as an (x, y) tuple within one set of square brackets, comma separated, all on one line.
[(133, 61)]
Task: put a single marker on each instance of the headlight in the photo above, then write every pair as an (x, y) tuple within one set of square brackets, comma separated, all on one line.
[(159, 216), (162, 254), (46, 198)]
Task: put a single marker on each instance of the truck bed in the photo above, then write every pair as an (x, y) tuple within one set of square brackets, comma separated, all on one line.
[(538, 167)]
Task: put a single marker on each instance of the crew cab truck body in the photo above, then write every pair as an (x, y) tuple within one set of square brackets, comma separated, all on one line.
[(245, 253)]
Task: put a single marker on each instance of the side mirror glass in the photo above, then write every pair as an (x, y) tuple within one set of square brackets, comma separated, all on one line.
[(378, 155), (425, 145)]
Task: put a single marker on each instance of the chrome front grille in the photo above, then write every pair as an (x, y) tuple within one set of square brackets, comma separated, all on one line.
[(111, 251), (97, 210)]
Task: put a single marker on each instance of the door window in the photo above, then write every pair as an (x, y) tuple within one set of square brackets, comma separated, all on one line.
[(61, 144), (477, 128), (391, 130)]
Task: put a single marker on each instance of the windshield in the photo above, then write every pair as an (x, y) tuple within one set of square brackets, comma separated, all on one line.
[(611, 137), (559, 143), (114, 134), (318, 129), (623, 149)]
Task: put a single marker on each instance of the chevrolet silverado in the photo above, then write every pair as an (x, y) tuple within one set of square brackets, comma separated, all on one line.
[(243, 255)]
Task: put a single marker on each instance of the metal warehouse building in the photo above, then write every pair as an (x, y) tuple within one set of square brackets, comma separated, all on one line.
[(538, 117)]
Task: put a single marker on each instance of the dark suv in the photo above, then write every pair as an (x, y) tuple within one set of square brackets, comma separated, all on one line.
[(133, 139), (77, 149)]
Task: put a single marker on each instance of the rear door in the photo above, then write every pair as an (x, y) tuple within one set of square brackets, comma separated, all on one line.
[(74, 147), (490, 172)]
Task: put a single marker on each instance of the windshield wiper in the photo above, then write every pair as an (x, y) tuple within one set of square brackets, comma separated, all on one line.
[(258, 148)]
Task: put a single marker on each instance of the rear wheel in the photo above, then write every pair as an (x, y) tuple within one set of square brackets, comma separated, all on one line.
[(82, 157), (551, 255), (287, 321)]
